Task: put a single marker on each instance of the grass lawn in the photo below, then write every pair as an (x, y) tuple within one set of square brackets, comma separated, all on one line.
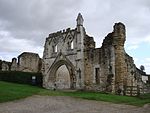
[(11, 91)]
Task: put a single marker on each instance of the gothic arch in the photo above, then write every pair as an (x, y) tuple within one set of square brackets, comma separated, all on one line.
[(59, 61)]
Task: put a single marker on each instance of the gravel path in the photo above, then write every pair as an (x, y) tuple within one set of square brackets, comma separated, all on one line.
[(59, 104)]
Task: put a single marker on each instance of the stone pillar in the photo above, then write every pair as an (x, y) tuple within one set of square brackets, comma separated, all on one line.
[(119, 38), (14, 64)]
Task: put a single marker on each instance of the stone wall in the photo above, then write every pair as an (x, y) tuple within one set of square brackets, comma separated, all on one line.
[(64, 55), (5, 66), (27, 62), (108, 68)]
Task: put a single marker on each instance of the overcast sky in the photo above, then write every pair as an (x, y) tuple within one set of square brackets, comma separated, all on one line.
[(24, 24)]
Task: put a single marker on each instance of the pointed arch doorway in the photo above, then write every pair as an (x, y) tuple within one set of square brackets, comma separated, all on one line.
[(62, 73), (62, 79)]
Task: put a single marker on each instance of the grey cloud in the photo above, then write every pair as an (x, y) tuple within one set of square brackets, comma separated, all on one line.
[(29, 23), (35, 15), (33, 20), (135, 14)]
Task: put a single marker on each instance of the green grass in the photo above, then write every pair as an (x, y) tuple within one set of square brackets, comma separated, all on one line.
[(102, 97), (11, 91)]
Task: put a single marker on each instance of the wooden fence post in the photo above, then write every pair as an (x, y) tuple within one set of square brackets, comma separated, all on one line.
[(138, 90), (124, 90)]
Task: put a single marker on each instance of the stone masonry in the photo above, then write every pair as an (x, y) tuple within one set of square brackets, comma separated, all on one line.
[(71, 61), (27, 62), (108, 68)]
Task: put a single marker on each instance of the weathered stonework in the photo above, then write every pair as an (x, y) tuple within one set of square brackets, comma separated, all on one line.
[(71, 61), (14, 65), (108, 68), (5, 66), (27, 62)]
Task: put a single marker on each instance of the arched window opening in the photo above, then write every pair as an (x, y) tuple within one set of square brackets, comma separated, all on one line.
[(72, 46), (55, 49)]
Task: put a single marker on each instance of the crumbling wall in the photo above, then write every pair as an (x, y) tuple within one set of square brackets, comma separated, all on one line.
[(28, 62), (89, 48), (6, 66), (109, 68)]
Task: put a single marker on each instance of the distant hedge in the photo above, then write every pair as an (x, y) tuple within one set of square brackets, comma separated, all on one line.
[(21, 77)]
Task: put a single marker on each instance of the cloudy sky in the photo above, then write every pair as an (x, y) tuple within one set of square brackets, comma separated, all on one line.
[(24, 24)]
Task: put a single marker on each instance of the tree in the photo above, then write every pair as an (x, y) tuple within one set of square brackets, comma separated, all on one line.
[(142, 68)]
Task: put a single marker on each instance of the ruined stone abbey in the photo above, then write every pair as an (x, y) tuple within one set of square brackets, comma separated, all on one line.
[(71, 61)]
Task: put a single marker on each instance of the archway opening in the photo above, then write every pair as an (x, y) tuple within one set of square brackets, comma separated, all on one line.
[(63, 80), (62, 75)]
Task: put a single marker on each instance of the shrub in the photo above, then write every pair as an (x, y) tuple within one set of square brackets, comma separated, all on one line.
[(21, 77)]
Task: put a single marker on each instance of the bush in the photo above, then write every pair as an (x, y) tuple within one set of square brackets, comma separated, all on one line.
[(21, 77)]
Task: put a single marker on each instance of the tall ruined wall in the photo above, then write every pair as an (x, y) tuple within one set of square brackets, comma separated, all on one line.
[(29, 62), (63, 47), (110, 68), (100, 66), (107, 63), (57, 44), (89, 48)]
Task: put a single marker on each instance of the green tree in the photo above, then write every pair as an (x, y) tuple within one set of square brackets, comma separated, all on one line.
[(142, 68)]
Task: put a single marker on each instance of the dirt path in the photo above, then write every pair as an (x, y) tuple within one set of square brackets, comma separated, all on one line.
[(49, 104)]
